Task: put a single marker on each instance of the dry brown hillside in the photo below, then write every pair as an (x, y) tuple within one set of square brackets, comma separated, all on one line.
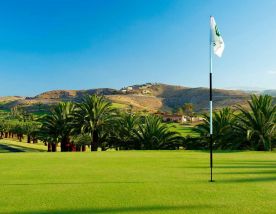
[(139, 102), (10, 99), (151, 97)]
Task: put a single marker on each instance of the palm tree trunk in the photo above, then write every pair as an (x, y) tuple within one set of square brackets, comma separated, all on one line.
[(94, 143), (73, 148), (28, 139), (63, 145), (77, 148), (54, 147), (20, 136), (49, 147)]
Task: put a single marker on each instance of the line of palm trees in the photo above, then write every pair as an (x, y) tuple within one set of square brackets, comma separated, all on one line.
[(94, 122), (17, 129), (241, 128)]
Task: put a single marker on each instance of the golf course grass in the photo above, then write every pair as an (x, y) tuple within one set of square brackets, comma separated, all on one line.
[(9, 145), (137, 182), (183, 130)]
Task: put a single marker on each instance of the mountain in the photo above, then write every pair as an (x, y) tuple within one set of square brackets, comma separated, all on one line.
[(8, 99), (150, 97)]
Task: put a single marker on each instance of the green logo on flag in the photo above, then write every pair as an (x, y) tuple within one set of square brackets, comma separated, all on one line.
[(217, 31)]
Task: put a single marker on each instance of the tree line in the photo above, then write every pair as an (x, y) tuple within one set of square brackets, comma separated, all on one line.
[(96, 123), (251, 128)]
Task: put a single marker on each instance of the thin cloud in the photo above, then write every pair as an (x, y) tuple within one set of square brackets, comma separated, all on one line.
[(272, 72)]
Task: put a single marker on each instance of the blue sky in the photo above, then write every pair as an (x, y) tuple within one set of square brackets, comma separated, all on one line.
[(72, 44)]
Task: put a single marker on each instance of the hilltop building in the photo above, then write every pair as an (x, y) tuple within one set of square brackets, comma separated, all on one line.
[(178, 118)]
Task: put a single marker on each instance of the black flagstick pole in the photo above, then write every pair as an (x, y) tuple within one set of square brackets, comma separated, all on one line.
[(211, 109)]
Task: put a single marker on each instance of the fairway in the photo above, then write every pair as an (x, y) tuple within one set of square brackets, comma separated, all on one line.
[(183, 130), (7, 146), (137, 182)]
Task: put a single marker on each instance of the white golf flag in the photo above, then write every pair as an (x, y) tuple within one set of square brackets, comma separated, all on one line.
[(217, 41)]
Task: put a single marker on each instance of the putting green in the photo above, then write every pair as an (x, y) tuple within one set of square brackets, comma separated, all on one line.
[(137, 182)]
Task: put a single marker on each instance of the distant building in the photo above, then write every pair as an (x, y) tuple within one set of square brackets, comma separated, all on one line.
[(126, 89), (195, 119), (178, 118)]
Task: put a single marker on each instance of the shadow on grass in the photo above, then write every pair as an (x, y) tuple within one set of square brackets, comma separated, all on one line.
[(220, 151), (248, 163), (5, 148), (254, 167), (248, 172), (218, 166), (79, 183), (255, 164), (248, 180), (257, 161), (245, 167), (144, 209), (18, 148), (234, 165)]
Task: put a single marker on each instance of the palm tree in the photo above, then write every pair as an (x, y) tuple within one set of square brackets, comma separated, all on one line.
[(3, 128), (94, 116), (18, 129), (188, 109), (153, 134), (124, 132), (50, 140), (80, 141), (223, 122), (30, 129), (57, 125), (21, 114), (6, 126), (258, 124)]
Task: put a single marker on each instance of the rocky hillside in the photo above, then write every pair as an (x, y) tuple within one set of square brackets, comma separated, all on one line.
[(151, 97), (8, 99), (73, 94)]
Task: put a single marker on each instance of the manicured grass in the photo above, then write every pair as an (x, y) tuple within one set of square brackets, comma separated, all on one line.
[(137, 182), (184, 130), (12, 145)]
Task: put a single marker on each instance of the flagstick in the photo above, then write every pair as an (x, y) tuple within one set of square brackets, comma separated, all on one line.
[(211, 110)]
